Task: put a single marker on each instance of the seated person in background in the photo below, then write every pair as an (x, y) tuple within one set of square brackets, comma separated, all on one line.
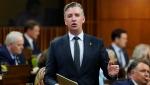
[(141, 51), (113, 59), (41, 62), (11, 52), (139, 73), (32, 30), (119, 38), (39, 77)]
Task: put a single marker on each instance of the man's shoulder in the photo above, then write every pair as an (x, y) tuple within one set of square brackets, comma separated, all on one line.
[(59, 39), (3, 51), (3, 48), (92, 37)]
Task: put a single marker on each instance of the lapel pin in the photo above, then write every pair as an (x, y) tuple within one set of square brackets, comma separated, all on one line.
[(90, 43)]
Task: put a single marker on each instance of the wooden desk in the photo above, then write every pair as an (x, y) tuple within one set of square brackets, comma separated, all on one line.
[(17, 75)]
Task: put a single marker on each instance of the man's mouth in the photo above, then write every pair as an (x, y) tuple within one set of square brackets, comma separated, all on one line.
[(74, 25)]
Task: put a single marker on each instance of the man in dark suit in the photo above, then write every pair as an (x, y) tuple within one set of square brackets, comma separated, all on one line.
[(119, 38), (11, 52), (138, 73), (76, 55), (31, 30)]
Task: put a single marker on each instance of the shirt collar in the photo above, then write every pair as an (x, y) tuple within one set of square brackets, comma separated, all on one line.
[(28, 38), (71, 36), (12, 56), (116, 47), (134, 82)]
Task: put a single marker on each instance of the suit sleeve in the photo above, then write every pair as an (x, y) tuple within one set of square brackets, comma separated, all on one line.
[(104, 59), (51, 67)]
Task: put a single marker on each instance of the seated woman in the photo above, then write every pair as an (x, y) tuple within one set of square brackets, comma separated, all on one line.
[(39, 77)]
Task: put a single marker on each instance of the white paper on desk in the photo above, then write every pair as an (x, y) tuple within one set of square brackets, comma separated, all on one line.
[(65, 81)]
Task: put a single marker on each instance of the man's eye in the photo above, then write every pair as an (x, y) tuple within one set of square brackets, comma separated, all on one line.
[(77, 15), (69, 16)]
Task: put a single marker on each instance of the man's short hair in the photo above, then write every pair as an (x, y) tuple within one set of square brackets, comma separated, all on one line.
[(117, 33), (73, 4), (30, 25), (134, 64), (12, 37)]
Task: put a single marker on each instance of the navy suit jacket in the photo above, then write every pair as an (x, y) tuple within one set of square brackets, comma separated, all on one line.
[(127, 82), (26, 45), (126, 57), (60, 61), (6, 57)]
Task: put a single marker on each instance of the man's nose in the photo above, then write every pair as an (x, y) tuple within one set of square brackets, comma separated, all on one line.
[(73, 18), (147, 74)]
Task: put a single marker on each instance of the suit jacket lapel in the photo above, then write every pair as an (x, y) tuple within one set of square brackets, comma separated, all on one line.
[(87, 51), (67, 52), (9, 56)]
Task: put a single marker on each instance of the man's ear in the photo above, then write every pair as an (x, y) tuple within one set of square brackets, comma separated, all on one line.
[(132, 72), (83, 19), (65, 21)]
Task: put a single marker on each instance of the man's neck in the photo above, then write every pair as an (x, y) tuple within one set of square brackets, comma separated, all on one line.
[(116, 44), (76, 33)]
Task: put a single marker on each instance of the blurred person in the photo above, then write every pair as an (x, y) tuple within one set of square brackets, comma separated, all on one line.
[(39, 77), (139, 73), (113, 59), (32, 31), (76, 55), (119, 38), (141, 51), (11, 51), (43, 58), (31, 13)]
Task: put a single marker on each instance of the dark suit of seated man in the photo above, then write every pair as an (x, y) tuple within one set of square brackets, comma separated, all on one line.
[(138, 73), (31, 30), (11, 52)]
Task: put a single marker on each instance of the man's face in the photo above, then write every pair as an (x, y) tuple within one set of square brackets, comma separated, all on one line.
[(122, 40), (141, 73), (74, 19), (17, 47), (35, 32)]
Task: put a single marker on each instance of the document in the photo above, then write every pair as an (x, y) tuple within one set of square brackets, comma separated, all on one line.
[(65, 81)]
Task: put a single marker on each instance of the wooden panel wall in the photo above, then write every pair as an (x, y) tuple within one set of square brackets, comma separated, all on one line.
[(46, 34), (107, 15), (131, 15)]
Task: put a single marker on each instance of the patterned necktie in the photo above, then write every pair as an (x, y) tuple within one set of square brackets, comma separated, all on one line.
[(77, 53)]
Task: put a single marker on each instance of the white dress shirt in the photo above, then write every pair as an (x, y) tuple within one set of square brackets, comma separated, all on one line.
[(134, 82), (30, 40), (13, 57), (81, 45), (117, 49)]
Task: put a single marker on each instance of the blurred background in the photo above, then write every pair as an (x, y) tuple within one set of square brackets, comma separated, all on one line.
[(102, 16)]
